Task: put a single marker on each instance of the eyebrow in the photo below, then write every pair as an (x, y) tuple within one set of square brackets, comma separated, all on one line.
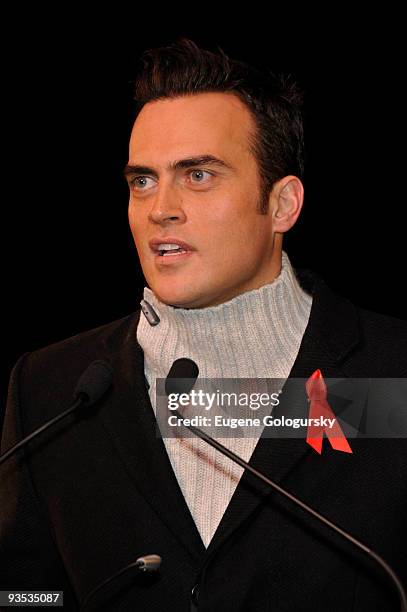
[(187, 162)]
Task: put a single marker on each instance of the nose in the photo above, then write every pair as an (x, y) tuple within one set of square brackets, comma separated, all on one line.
[(167, 206)]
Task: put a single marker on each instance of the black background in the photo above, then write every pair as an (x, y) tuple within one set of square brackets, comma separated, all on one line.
[(69, 259)]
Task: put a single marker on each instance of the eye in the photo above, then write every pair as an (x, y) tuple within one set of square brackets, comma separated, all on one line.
[(139, 183), (199, 174)]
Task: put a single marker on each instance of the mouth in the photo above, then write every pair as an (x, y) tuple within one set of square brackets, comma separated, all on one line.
[(170, 250)]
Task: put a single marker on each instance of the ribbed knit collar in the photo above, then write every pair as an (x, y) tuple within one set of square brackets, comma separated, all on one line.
[(255, 334)]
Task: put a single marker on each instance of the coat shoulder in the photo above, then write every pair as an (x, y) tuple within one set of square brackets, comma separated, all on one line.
[(383, 326), (382, 343), (361, 341), (52, 372), (86, 344)]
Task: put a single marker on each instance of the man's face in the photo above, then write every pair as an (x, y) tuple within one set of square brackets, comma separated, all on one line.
[(211, 207)]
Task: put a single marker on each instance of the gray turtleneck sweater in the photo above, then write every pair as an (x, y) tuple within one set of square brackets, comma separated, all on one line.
[(256, 334)]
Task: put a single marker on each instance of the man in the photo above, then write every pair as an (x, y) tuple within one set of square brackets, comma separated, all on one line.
[(214, 171)]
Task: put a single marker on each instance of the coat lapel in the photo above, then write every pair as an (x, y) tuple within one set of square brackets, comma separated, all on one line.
[(332, 331), (129, 418)]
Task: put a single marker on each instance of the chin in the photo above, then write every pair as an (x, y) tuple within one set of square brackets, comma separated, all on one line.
[(172, 297), (180, 297), (187, 290)]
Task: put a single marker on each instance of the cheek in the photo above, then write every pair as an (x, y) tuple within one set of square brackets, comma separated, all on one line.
[(135, 224), (130, 216)]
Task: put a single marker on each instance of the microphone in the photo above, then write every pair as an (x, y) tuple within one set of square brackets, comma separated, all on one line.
[(180, 379), (182, 376), (149, 313), (147, 564), (92, 385)]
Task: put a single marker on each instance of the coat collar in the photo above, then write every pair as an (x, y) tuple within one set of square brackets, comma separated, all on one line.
[(332, 332)]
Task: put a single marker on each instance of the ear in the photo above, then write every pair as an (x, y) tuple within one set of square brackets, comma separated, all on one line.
[(286, 199)]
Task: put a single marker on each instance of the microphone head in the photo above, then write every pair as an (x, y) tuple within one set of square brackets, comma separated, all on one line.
[(94, 382), (182, 376), (149, 563)]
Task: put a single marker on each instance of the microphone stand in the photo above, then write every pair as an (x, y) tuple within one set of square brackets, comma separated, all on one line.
[(228, 453)]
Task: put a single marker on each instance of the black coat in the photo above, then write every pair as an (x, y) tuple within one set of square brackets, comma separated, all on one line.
[(93, 494)]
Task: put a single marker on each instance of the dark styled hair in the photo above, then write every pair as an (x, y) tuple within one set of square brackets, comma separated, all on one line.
[(182, 68)]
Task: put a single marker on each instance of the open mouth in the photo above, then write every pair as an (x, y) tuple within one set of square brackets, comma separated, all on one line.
[(170, 249), (171, 252)]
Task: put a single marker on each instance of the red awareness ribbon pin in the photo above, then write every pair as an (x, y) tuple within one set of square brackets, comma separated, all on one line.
[(318, 396)]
